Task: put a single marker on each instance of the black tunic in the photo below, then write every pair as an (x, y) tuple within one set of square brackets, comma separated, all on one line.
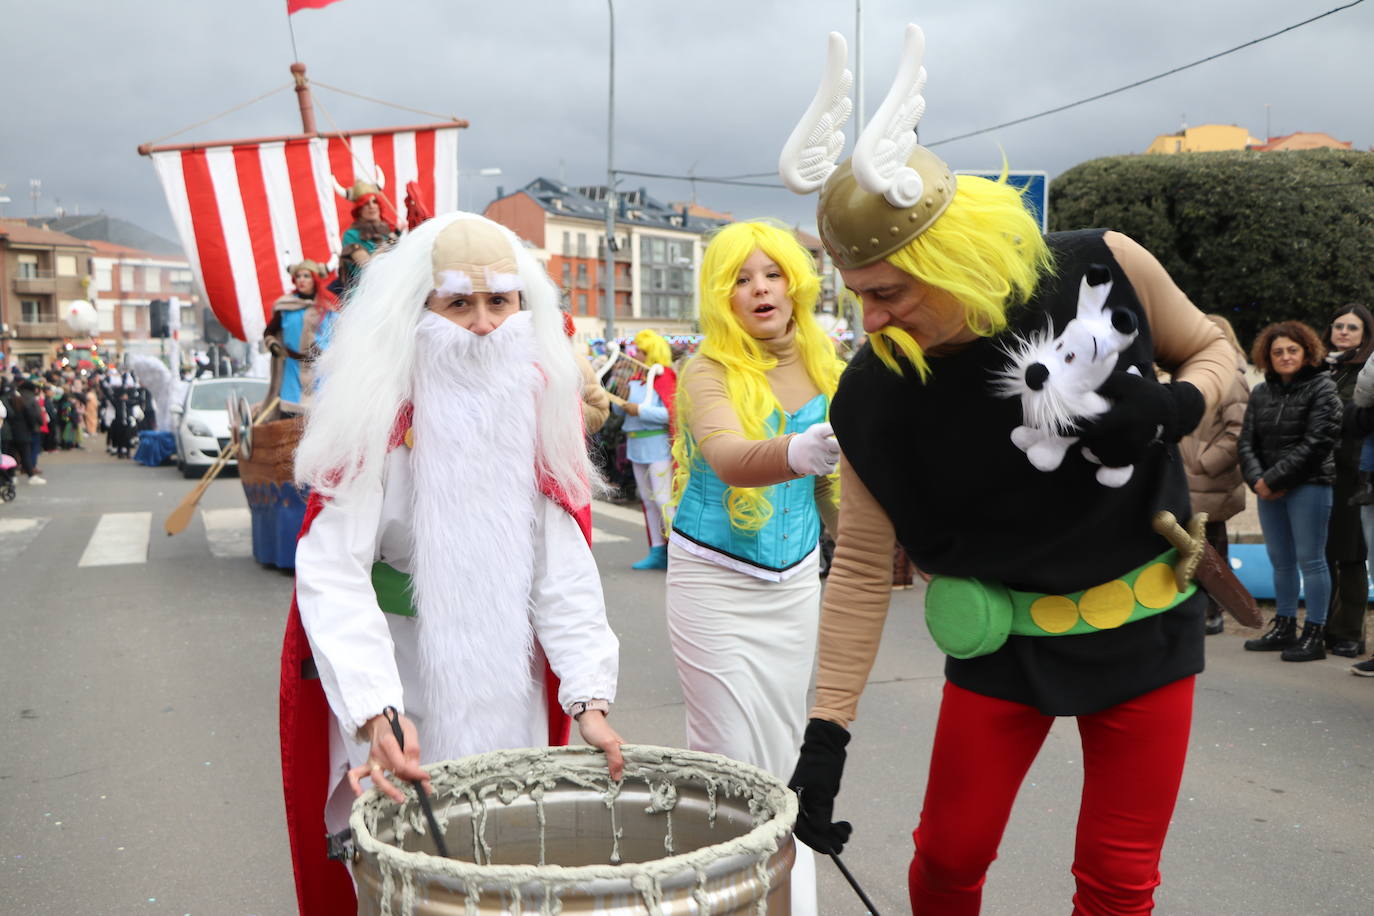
[(964, 501)]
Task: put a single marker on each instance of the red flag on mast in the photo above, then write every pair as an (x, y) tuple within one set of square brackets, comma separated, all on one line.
[(295, 6)]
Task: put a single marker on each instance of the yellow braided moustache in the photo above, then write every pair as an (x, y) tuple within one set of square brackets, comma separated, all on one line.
[(985, 249)]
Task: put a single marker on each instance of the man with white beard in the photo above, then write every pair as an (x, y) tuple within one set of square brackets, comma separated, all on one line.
[(443, 570)]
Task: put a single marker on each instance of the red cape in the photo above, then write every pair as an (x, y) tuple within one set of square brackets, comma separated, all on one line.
[(323, 886)]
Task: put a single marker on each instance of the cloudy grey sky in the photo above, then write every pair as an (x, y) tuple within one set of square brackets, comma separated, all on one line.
[(709, 86)]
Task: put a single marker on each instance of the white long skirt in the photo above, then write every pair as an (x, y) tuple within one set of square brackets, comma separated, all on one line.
[(744, 649)]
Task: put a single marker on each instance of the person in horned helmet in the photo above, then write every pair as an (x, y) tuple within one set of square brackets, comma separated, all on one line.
[(1004, 424), (298, 331), (444, 578), (369, 231), (649, 440)]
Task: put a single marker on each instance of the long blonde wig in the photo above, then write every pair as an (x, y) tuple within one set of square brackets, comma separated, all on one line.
[(653, 349), (986, 250), (744, 359)]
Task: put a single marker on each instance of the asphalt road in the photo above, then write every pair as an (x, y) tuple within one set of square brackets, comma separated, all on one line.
[(139, 769)]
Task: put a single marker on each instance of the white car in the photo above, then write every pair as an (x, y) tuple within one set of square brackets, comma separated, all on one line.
[(202, 419)]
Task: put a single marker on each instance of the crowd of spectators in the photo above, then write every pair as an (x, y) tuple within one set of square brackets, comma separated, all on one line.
[(62, 409)]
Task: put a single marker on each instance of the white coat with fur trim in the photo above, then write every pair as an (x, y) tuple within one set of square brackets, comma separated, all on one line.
[(368, 659)]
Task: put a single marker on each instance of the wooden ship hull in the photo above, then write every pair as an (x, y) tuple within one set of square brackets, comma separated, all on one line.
[(276, 504)]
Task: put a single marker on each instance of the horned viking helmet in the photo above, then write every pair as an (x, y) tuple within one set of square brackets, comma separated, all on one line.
[(892, 189)]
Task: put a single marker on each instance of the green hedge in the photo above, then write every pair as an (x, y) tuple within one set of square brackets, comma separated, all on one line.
[(1258, 237)]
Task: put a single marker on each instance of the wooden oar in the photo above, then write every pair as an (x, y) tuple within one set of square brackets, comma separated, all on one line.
[(181, 515)]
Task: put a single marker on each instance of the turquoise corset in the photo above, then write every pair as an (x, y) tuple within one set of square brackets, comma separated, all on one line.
[(789, 535)]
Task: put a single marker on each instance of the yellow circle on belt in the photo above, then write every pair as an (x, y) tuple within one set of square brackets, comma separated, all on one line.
[(1054, 613), (1107, 606), (1155, 586)]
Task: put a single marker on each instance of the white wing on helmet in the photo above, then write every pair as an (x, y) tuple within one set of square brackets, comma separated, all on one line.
[(809, 155), (883, 148)]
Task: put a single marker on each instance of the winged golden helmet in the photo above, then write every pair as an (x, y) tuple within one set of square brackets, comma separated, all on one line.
[(892, 189)]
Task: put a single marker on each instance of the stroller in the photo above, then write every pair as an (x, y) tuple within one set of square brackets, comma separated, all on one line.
[(7, 466)]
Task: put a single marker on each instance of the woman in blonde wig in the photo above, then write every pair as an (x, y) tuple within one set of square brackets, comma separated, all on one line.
[(648, 443), (754, 456)]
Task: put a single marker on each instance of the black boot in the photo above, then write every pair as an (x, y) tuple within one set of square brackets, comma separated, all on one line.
[(1215, 624), (1364, 490), (1281, 634), (1310, 647)]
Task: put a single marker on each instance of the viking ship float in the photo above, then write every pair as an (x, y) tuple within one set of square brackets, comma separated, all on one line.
[(244, 211)]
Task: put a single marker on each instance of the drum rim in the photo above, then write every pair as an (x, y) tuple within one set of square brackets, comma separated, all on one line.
[(763, 840)]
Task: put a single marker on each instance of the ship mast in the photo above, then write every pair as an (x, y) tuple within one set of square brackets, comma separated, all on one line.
[(303, 98)]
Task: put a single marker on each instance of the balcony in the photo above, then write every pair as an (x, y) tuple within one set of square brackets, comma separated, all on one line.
[(41, 282), (48, 327), (622, 285)]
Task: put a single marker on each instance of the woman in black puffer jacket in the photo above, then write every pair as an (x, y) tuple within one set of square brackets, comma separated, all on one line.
[(1291, 424)]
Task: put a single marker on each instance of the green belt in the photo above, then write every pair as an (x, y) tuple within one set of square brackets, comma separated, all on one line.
[(393, 590), (641, 433), (969, 617)]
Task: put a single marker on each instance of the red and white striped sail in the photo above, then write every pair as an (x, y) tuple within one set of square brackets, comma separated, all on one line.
[(246, 210)]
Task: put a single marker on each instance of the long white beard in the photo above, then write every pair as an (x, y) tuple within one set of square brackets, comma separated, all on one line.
[(474, 513)]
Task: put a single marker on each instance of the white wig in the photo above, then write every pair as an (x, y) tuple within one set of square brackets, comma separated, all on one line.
[(366, 373)]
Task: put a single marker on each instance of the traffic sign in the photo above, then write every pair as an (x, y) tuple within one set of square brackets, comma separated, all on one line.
[(1035, 188)]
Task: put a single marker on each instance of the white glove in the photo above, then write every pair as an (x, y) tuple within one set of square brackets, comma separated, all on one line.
[(814, 451)]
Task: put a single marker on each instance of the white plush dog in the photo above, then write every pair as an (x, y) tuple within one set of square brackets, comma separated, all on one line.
[(1057, 378)]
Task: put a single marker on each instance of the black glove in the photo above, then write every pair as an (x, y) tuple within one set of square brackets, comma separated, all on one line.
[(816, 780), (1143, 412)]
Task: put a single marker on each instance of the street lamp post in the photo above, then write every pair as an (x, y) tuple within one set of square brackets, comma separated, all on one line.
[(484, 173), (608, 300)]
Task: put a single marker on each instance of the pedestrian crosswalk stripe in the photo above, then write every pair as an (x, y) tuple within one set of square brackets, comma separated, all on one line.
[(605, 537), (119, 539), (229, 531), (619, 513), (16, 534)]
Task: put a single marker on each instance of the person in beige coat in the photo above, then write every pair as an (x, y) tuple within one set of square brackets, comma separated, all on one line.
[(1215, 484)]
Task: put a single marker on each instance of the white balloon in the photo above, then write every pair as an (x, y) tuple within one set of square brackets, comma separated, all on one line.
[(81, 316)]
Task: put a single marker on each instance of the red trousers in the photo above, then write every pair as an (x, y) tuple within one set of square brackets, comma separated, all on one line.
[(1133, 757)]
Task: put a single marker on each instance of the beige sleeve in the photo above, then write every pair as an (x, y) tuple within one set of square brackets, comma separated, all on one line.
[(854, 608), (826, 488), (596, 403), (1187, 345), (737, 461)]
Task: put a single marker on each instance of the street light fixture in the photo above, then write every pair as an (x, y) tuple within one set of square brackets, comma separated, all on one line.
[(489, 172)]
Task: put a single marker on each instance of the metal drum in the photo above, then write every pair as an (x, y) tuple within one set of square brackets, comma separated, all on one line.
[(545, 831)]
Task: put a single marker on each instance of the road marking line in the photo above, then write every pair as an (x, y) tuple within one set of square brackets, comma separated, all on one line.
[(119, 539), (605, 537), (229, 531), (619, 513), (16, 534), (19, 525)]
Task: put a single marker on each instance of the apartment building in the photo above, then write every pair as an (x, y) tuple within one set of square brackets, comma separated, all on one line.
[(656, 254), (40, 272)]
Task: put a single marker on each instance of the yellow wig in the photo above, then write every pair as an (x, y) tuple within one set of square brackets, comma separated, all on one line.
[(653, 349), (744, 360), (986, 250)]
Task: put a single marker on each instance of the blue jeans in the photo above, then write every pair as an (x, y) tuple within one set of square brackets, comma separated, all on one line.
[(1366, 453), (1295, 538)]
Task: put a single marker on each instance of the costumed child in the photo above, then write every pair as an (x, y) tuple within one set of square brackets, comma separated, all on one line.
[(443, 575), (1052, 594), (296, 335), (649, 444), (754, 457)]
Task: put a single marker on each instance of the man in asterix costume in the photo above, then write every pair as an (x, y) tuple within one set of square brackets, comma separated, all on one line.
[(298, 331), (1052, 594), (443, 575)]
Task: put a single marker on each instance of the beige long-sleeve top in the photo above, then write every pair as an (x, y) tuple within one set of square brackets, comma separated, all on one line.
[(859, 587), (596, 403), (704, 404)]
